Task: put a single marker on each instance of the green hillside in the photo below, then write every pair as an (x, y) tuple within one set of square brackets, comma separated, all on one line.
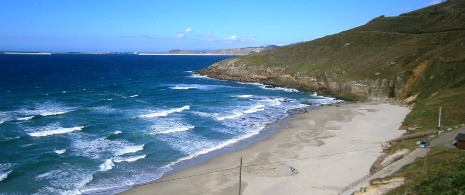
[(417, 57)]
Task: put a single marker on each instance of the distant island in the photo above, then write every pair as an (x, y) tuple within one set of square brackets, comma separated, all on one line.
[(234, 51)]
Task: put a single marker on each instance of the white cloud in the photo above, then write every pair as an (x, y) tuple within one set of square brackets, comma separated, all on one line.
[(232, 38), (183, 33)]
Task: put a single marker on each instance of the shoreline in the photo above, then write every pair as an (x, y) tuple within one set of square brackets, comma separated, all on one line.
[(303, 157)]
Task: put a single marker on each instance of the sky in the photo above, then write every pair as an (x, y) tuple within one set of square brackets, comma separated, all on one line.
[(163, 25)]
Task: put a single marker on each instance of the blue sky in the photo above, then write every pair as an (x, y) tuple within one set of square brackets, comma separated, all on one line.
[(162, 25)]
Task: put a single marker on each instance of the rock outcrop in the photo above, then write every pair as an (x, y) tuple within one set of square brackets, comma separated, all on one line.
[(416, 57), (388, 57)]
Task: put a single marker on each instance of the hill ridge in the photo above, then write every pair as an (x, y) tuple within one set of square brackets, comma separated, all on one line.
[(416, 57)]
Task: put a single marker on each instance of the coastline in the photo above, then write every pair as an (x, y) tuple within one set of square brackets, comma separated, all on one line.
[(327, 148)]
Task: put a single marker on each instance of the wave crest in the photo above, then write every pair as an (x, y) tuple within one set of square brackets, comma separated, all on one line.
[(161, 113), (60, 130)]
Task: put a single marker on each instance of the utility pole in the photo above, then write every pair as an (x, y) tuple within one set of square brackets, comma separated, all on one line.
[(240, 177), (439, 124)]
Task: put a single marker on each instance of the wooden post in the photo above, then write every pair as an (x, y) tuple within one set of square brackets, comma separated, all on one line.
[(439, 124), (240, 177)]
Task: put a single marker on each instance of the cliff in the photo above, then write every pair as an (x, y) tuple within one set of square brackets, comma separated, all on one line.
[(416, 57)]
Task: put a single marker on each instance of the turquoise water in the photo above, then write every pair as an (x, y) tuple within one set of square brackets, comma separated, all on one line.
[(73, 124)]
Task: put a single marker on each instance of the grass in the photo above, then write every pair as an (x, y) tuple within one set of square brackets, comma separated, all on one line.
[(382, 56), (426, 112), (443, 172)]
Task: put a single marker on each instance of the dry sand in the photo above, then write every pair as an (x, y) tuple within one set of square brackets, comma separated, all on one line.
[(329, 148)]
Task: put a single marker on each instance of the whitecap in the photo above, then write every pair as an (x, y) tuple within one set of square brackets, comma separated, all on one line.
[(65, 179), (169, 125), (244, 96), (205, 114), (60, 151), (57, 130), (198, 146), (132, 96), (101, 147), (47, 109), (160, 113), (178, 129), (195, 75), (3, 176), (5, 170), (25, 118), (107, 165), (129, 159), (104, 109), (129, 149), (255, 108), (234, 115), (185, 87), (240, 112)]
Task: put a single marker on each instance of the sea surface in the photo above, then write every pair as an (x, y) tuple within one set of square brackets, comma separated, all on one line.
[(79, 124)]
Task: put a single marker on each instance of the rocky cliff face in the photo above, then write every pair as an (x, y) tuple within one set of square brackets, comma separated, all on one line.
[(328, 83), (389, 57), (416, 57)]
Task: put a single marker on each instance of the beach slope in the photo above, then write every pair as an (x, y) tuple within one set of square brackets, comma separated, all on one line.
[(318, 152)]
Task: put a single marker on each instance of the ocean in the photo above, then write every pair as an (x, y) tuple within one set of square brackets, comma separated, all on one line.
[(99, 124)]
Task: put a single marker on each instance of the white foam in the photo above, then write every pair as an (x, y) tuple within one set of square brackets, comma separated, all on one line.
[(178, 129), (185, 87), (101, 147), (65, 179), (5, 116), (279, 88), (107, 165), (239, 112), (244, 96), (47, 109), (117, 132), (204, 147), (132, 96), (195, 75), (25, 118), (129, 149), (274, 101), (104, 109), (234, 115), (205, 114), (60, 151), (161, 113), (169, 125), (3, 176), (255, 108), (56, 131), (129, 159)]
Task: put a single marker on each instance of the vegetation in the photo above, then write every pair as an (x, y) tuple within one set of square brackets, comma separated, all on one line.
[(418, 54), (441, 173), (417, 57)]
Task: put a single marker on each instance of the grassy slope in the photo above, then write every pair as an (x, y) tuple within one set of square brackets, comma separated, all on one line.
[(425, 49), (441, 173), (392, 47)]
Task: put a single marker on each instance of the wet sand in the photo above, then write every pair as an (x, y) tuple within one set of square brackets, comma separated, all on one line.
[(318, 152)]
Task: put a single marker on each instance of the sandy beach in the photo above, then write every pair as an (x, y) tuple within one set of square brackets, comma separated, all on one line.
[(318, 152)]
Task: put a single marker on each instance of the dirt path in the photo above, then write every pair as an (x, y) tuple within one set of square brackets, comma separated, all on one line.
[(445, 139)]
